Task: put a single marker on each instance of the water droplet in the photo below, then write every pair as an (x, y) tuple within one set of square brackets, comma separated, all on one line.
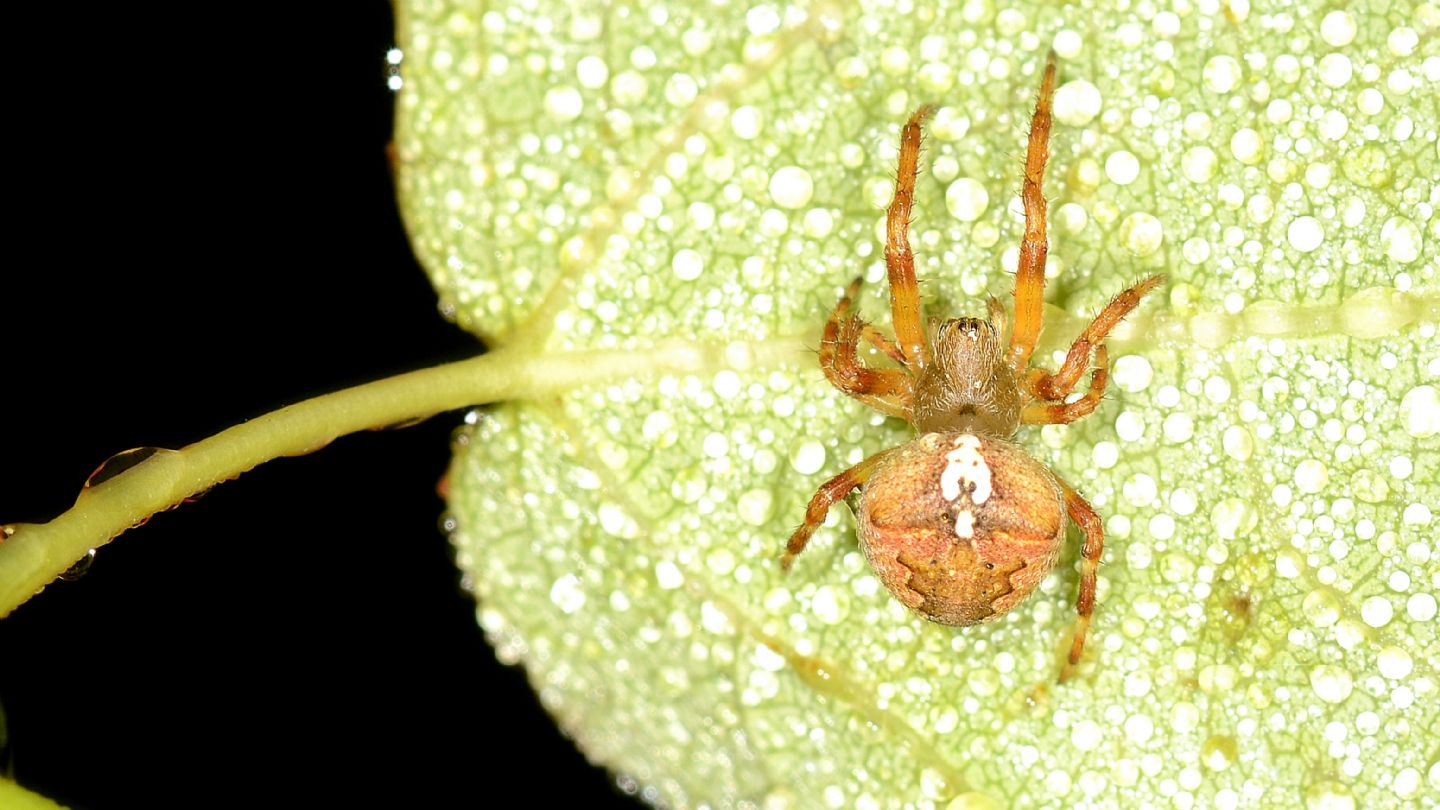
[(1305, 234), (1132, 373), (1178, 428), (1122, 167), (1331, 683), (720, 561), (762, 19), (1311, 476), (687, 264), (615, 521), (1221, 74), (807, 457), (567, 594), (681, 90), (791, 187), (1142, 233), (746, 122), (448, 524), (966, 199), (1394, 663), (1139, 728), (668, 575), (716, 445), (1407, 781), (1369, 486), (119, 463), (1417, 514), (80, 568), (1105, 455), (1338, 28), (1217, 389), (830, 605), (1420, 607), (659, 429), (689, 485), (1247, 146), (1376, 611), (1400, 239), (1233, 518), (755, 506), (564, 104), (818, 223), (726, 384), (1368, 166), (1139, 490), (592, 72), (1198, 164), (936, 78), (1077, 103), (1335, 69), (1177, 567), (627, 784), (1420, 408), (1086, 735), (1402, 40)]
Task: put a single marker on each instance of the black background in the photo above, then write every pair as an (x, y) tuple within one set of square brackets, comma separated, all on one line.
[(205, 230)]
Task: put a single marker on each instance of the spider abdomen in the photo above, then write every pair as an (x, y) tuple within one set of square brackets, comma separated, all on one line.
[(961, 527)]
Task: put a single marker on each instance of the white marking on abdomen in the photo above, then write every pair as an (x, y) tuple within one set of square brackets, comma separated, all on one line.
[(966, 465), (965, 524)]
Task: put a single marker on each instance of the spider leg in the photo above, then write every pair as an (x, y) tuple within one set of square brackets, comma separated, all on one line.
[(1056, 386), (1030, 275), (877, 339), (887, 390), (997, 315), (1063, 413), (1085, 517), (831, 491), (899, 260)]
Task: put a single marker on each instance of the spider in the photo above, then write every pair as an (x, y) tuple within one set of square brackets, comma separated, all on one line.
[(961, 524)]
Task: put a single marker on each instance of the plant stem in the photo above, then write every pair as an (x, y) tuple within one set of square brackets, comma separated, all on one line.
[(34, 554)]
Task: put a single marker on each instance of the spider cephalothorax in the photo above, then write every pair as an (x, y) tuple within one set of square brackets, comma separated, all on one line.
[(967, 386), (960, 524)]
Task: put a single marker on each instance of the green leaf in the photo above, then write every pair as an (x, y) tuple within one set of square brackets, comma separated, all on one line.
[(698, 181)]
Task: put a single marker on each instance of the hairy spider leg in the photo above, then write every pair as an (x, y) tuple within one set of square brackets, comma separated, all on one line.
[(1030, 275), (998, 317), (1059, 385), (887, 390), (877, 339), (899, 260), (831, 491), (1063, 413), (1085, 517)]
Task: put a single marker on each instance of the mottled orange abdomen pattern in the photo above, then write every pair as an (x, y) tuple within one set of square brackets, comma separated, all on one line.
[(961, 527)]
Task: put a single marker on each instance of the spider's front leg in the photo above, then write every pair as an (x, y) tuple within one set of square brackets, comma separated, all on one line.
[(1063, 413), (888, 390), (831, 491), (899, 259), (1047, 386), (1030, 274)]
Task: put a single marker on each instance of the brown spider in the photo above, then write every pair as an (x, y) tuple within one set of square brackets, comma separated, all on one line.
[(959, 523)]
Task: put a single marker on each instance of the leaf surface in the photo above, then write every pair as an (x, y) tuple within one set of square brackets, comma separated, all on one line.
[(701, 181)]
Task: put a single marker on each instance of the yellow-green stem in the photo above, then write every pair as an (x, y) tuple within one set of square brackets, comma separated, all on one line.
[(37, 553)]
